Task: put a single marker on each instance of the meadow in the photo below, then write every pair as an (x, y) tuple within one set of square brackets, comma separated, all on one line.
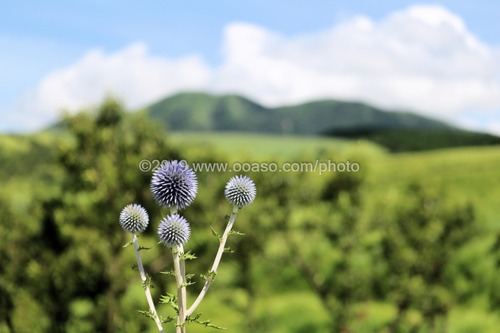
[(469, 172)]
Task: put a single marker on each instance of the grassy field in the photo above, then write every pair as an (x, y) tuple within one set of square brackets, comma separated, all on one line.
[(471, 174), (265, 147)]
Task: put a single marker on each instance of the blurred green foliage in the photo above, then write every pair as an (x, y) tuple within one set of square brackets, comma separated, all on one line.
[(404, 139), (382, 250)]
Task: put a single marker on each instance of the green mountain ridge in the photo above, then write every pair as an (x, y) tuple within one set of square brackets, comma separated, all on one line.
[(205, 112), (396, 130)]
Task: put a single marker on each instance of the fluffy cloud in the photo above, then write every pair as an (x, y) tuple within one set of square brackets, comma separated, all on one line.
[(422, 58), (131, 74)]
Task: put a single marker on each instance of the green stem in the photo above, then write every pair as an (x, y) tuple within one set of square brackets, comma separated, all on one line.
[(180, 278), (218, 256), (147, 289)]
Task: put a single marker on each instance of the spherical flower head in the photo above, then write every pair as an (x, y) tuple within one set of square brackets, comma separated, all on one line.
[(174, 184), (240, 191), (134, 218), (174, 230)]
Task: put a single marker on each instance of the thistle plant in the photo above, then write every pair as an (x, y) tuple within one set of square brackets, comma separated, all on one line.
[(175, 186)]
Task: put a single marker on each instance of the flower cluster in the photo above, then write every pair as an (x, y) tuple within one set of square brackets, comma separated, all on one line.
[(174, 185)]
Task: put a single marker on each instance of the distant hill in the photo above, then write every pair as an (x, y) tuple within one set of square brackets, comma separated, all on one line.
[(397, 131), (205, 112)]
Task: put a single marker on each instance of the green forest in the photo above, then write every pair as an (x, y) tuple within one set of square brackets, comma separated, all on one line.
[(408, 243)]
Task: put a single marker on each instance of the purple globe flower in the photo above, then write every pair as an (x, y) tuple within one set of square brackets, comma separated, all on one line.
[(174, 230), (240, 191), (134, 218), (174, 184)]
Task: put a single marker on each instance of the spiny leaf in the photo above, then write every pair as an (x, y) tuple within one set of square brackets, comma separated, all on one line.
[(188, 256), (170, 272), (211, 275), (234, 232), (171, 300), (128, 244), (187, 283), (147, 283), (206, 323), (168, 298), (215, 233), (147, 314), (167, 320), (194, 318)]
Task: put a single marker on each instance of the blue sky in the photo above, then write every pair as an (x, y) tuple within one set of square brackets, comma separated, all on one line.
[(440, 59)]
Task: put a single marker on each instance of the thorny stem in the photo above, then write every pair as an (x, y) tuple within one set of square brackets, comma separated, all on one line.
[(213, 271), (180, 278), (147, 289)]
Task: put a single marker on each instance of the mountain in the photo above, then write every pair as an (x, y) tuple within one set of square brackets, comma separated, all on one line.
[(320, 117), (397, 131), (205, 112)]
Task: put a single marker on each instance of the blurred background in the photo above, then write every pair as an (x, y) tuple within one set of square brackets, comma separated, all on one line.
[(95, 95)]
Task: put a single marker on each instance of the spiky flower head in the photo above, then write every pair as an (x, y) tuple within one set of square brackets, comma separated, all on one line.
[(174, 230), (134, 218), (174, 184), (240, 191)]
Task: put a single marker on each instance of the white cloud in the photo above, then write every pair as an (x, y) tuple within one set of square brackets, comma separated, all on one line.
[(131, 74), (422, 58)]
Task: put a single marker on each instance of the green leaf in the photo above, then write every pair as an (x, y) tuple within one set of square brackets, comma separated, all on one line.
[(211, 275), (228, 250), (168, 298), (188, 256), (234, 232), (147, 314), (206, 323), (170, 272), (216, 234), (187, 283), (147, 283), (128, 244), (167, 320), (171, 300)]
